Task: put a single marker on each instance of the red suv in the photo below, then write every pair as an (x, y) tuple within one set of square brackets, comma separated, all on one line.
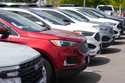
[(63, 51)]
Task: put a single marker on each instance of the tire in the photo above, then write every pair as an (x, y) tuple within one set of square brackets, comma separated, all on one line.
[(47, 73)]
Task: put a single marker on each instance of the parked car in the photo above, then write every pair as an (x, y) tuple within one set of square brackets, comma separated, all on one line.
[(80, 25), (20, 64), (107, 9), (107, 35), (61, 50), (96, 19), (100, 14), (57, 23)]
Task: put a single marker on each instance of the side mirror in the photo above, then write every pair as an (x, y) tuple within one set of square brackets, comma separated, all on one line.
[(67, 21), (40, 23), (5, 33)]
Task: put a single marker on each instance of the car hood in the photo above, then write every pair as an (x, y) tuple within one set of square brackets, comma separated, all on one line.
[(58, 34), (107, 20), (115, 18), (84, 26), (14, 54)]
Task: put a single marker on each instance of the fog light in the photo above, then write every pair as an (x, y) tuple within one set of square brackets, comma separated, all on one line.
[(13, 80), (67, 64)]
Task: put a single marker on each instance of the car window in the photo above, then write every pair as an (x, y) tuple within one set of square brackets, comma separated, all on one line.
[(74, 15), (29, 16), (48, 17), (12, 32), (21, 22), (85, 13), (59, 15), (103, 8)]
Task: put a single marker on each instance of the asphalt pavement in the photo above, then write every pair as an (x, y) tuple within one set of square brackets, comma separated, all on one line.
[(108, 67)]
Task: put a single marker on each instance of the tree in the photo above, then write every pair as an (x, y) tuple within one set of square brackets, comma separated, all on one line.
[(79, 2), (94, 3)]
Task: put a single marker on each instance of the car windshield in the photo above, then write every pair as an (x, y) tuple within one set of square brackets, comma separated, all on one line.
[(21, 22), (50, 18), (99, 12), (103, 8), (96, 13), (86, 13), (75, 15)]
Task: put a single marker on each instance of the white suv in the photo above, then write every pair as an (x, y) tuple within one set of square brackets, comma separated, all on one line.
[(107, 9), (95, 19), (17, 62)]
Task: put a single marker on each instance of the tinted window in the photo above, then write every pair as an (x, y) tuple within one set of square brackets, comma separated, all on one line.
[(103, 8), (58, 15), (29, 16), (21, 22), (74, 15), (12, 32), (48, 17)]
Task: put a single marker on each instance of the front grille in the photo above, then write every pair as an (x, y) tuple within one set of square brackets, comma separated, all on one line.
[(111, 31), (97, 37), (73, 60), (115, 32), (105, 38), (30, 72), (91, 46), (120, 26), (84, 47)]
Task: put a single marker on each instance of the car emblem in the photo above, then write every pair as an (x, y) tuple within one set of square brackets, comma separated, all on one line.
[(36, 67)]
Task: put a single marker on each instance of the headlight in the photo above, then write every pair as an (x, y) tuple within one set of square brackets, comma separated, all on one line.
[(9, 68), (11, 80), (61, 43), (7, 72), (84, 33), (78, 32)]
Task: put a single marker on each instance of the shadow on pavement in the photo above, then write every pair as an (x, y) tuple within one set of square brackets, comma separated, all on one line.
[(118, 43), (110, 50), (97, 61), (121, 38), (84, 77)]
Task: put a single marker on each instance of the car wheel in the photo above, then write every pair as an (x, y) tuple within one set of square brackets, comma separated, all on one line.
[(46, 73)]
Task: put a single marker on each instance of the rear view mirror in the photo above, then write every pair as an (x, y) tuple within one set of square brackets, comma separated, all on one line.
[(4, 32)]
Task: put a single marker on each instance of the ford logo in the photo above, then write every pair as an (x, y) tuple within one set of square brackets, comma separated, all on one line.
[(36, 67)]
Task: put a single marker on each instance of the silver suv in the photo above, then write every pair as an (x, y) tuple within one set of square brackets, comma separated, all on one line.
[(19, 64)]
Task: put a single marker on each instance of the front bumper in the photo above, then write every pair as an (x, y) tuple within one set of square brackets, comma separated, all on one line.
[(94, 52), (106, 41), (71, 71), (11, 80), (117, 34)]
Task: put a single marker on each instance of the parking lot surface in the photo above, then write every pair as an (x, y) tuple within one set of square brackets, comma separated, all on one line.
[(107, 67)]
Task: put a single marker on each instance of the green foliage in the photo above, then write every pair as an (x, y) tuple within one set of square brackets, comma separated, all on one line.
[(79, 2), (90, 3)]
